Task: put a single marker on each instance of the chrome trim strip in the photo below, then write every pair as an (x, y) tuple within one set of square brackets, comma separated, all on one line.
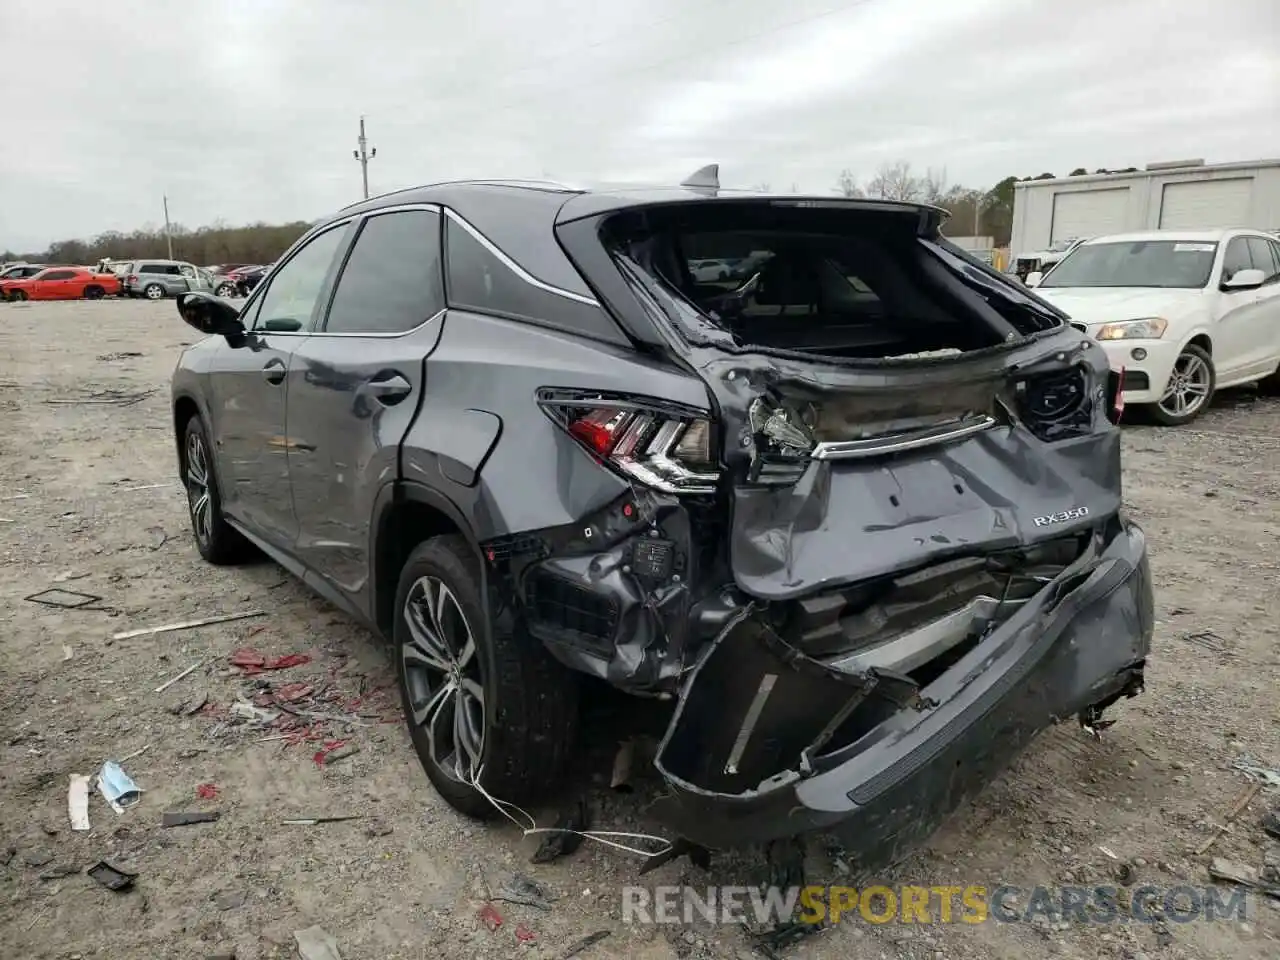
[(514, 267), (898, 443)]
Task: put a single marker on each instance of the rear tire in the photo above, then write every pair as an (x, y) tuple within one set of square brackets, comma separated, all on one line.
[(1270, 386), (226, 290), (153, 291), (521, 726), (1193, 371), (94, 293), (218, 542)]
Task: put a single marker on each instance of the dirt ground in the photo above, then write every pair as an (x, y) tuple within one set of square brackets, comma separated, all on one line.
[(90, 503)]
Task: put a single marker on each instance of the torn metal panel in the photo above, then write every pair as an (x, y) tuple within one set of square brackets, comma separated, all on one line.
[(892, 770)]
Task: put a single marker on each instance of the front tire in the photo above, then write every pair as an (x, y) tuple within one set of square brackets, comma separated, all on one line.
[(17, 296), (94, 293), (218, 542), (1189, 390), (488, 701), (153, 291), (226, 290)]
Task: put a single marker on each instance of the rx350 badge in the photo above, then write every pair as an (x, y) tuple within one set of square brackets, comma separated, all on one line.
[(1075, 513)]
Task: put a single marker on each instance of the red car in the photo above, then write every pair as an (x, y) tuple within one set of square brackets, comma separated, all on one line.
[(61, 283)]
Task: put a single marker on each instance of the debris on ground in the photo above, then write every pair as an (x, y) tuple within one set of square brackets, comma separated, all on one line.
[(187, 708), (183, 675), (590, 940), (328, 755), (526, 891), (78, 801), (490, 917), (185, 625), (1271, 822), (117, 787), (1229, 871), (207, 791), (230, 899), (183, 819), (59, 871), (63, 599), (623, 760), (1236, 808), (315, 944), (67, 652), (250, 662), (566, 836), (112, 877), (312, 821), (524, 934), (378, 828), (116, 397), (1257, 771)]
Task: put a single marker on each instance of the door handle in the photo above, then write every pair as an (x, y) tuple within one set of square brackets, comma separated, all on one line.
[(388, 390), (274, 371)]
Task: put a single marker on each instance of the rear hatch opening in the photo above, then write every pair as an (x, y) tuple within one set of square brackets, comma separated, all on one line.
[(859, 282)]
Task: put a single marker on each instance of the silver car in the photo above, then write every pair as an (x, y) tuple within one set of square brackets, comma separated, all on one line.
[(157, 279)]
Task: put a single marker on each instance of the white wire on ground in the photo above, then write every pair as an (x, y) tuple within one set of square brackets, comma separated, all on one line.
[(599, 836)]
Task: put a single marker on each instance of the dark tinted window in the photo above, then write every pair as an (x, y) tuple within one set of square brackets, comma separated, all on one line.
[(392, 281), (294, 290), (59, 275), (1236, 259), (1260, 251)]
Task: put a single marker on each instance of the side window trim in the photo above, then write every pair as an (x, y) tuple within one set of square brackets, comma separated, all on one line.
[(326, 287), (514, 267), (321, 328)]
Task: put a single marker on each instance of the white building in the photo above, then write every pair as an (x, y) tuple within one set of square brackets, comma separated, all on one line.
[(1186, 195)]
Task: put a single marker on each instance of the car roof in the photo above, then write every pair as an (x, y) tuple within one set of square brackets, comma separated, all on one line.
[(1189, 236), (519, 216)]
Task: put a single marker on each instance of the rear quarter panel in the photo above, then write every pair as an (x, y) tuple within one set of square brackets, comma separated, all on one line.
[(482, 441)]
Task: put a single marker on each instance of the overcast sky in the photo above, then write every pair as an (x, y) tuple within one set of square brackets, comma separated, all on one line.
[(244, 110)]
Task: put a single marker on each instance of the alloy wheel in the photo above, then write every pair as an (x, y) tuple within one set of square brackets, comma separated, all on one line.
[(443, 679), (154, 292), (198, 497), (1188, 387)]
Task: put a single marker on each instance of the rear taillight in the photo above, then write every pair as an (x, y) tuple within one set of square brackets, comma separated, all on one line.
[(131, 278), (664, 448)]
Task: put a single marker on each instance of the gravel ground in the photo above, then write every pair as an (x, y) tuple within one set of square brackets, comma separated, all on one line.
[(88, 495)]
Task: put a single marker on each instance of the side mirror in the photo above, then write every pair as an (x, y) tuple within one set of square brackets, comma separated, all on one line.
[(1245, 280), (210, 315), (1034, 278)]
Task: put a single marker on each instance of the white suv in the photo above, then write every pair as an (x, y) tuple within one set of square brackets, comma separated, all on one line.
[(1181, 312)]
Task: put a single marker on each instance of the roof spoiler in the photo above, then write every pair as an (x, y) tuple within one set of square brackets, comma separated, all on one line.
[(704, 178)]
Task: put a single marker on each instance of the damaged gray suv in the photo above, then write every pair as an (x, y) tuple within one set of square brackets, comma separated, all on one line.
[(854, 507)]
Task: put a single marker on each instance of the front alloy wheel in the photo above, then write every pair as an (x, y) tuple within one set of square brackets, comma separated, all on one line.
[(443, 679), (1189, 388), (198, 489)]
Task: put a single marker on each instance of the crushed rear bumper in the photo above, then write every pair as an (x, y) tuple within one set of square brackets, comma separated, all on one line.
[(1076, 646)]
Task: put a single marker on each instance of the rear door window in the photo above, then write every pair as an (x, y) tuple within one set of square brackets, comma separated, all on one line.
[(393, 281)]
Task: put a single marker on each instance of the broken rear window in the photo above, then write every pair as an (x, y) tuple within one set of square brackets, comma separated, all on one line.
[(843, 283)]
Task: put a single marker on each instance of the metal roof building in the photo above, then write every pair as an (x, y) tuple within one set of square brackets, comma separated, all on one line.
[(1184, 195)]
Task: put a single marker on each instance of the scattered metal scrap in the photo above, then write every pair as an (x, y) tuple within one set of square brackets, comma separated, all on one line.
[(185, 673), (186, 625), (114, 397), (112, 877), (316, 944), (186, 818), (1228, 871), (78, 802), (1209, 640), (1256, 771), (314, 821), (590, 940), (1235, 811), (63, 599)]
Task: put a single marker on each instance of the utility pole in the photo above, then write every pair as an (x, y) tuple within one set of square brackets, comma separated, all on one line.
[(168, 236), (364, 155)]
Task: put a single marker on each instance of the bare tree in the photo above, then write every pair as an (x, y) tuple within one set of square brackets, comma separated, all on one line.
[(895, 181), (933, 185), (847, 184)]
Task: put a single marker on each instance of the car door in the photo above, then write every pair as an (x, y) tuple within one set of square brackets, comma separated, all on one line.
[(248, 389), (52, 286), (1233, 326), (355, 386), (1264, 319)]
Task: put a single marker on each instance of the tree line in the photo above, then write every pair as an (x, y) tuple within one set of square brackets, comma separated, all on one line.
[(974, 212), (205, 246)]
